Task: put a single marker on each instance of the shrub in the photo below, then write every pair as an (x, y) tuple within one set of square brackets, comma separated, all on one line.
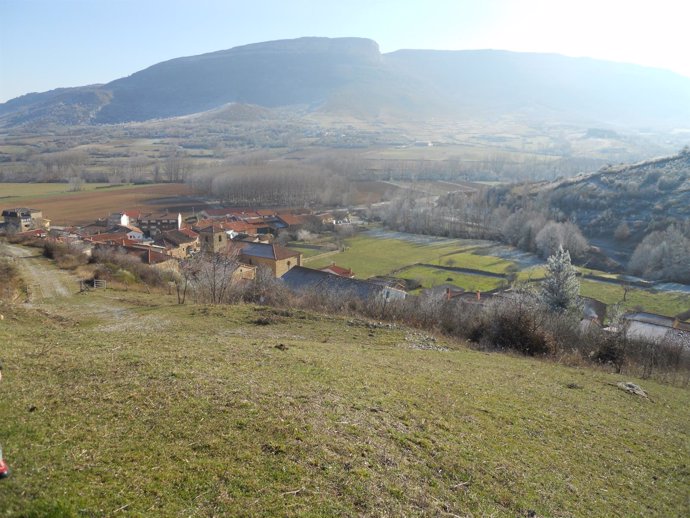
[(65, 256), (126, 268), (610, 351), (516, 324), (11, 283)]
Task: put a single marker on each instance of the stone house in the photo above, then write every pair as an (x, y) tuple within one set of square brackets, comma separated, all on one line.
[(21, 219), (278, 258), (154, 224), (178, 243), (213, 239)]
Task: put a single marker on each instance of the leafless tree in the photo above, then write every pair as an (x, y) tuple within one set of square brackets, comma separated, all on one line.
[(213, 275)]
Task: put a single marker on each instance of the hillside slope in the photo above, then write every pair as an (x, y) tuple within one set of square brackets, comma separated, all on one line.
[(647, 196), (118, 401), (350, 76)]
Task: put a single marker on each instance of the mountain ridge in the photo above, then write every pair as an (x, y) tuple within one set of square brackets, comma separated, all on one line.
[(352, 76)]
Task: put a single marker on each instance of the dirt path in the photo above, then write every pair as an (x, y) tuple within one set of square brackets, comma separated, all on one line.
[(44, 279)]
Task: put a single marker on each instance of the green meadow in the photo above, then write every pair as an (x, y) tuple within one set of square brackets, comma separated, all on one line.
[(368, 255), (126, 403)]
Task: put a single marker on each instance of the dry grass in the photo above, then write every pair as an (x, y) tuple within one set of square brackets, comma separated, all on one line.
[(204, 415)]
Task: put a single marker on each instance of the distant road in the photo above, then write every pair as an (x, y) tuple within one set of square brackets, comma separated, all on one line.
[(44, 279)]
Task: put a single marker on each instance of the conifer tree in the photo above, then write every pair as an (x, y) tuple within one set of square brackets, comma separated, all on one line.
[(560, 290)]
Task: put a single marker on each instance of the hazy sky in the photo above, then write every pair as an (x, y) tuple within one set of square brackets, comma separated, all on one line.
[(46, 44)]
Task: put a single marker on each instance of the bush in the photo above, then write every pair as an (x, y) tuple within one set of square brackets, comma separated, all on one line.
[(610, 351), (126, 268), (11, 283), (516, 324), (65, 256)]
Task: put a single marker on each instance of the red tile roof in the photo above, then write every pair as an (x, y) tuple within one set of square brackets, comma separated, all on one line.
[(189, 233), (147, 254), (338, 270), (292, 219), (240, 226)]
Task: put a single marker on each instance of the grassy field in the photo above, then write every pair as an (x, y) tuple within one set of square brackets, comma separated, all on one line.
[(368, 256), (121, 402), (430, 277), (664, 303), (307, 251), (486, 263), (67, 208)]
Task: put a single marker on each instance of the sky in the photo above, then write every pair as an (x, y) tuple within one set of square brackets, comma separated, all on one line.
[(46, 44)]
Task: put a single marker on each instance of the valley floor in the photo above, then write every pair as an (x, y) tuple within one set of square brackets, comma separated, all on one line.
[(115, 402)]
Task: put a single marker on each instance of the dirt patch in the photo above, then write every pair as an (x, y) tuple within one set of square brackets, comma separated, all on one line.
[(84, 207), (43, 279)]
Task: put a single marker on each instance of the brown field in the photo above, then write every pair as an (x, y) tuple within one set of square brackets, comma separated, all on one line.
[(83, 207)]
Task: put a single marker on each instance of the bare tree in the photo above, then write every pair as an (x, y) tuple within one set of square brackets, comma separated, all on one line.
[(213, 275)]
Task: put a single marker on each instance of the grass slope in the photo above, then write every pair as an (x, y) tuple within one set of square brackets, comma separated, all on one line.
[(117, 402)]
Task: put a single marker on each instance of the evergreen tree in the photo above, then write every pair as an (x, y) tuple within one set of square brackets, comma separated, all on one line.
[(560, 290)]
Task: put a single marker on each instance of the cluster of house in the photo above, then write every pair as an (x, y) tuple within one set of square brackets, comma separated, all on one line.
[(163, 240)]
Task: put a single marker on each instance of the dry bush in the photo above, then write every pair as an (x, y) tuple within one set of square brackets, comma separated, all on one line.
[(65, 256), (664, 359), (35, 242), (114, 265), (516, 324), (330, 301), (12, 285), (609, 350), (667, 360), (263, 289)]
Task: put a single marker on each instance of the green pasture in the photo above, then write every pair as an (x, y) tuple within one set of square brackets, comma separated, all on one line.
[(124, 403), (487, 263), (369, 256), (430, 277), (663, 303)]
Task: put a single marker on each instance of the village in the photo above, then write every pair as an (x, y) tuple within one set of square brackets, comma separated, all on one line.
[(167, 241)]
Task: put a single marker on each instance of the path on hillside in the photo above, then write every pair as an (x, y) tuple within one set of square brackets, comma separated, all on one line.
[(45, 280)]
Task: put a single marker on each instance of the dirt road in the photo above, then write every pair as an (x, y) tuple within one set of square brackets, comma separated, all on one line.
[(44, 279)]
